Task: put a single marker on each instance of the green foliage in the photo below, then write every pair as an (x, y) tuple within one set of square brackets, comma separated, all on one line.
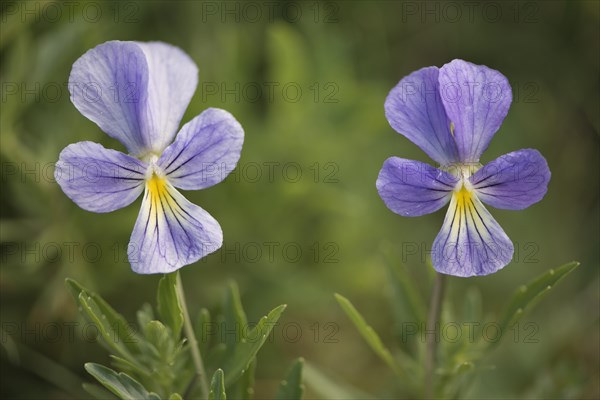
[(168, 306), (217, 386), (370, 336), (292, 388), (528, 295), (459, 361), (155, 361), (121, 384)]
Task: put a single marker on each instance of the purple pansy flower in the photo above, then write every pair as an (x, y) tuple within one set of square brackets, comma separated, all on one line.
[(452, 113), (137, 93)]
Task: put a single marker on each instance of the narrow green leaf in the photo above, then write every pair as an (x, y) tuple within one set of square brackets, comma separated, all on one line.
[(115, 332), (159, 336), (292, 388), (168, 306), (217, 386), (128, 366), (99, 311), (122, 385), (370, 336), (249, 345), (529, 294)]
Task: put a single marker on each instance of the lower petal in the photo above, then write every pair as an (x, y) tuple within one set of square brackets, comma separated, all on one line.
[(170, 232), (471, 242)]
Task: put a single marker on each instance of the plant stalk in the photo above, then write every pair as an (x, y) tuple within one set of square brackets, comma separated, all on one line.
[(433, 318), (188, 328)]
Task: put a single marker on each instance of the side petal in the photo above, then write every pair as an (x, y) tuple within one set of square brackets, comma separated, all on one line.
[(476, 99), (414, 108), (513, 181), (205, 151), (135, 92), (412, 188), (471, 242), (98, 179), (170, 232)]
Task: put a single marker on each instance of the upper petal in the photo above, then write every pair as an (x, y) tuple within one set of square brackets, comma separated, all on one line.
[(412, 188), (135, 92), (414, 108), (471, 242), (173, 80), (99, 179), (513, 181), (476, 99), (170, 232), (205, 151)]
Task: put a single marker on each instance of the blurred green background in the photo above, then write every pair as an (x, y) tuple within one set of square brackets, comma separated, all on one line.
[(307, 80)]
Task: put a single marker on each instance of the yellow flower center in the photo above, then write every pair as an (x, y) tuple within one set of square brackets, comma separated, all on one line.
[(157, 187)]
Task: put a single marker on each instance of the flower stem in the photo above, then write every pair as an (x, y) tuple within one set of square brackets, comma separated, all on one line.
[(200, 375), (435, 308)]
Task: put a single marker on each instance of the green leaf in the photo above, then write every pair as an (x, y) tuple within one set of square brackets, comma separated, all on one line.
[(122, 385), (159, 336), (175, 396), (217, 386), (249, 345), (168, 307), (527, 295), (292, 388), (327, 388), (115, 330), (370, 336)]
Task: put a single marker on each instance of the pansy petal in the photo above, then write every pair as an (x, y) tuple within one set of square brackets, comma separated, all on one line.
[(135, 92), (476, 99), (173, 80), (513, 181), (471, 242), (170, 232), (414, 108), (99, 179), (412, 188), (205, 151)]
